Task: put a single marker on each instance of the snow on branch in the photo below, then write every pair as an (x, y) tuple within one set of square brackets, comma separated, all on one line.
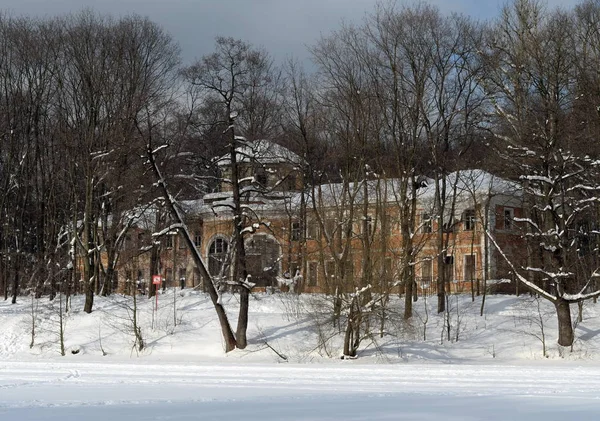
[(169, 230), (159, 148)]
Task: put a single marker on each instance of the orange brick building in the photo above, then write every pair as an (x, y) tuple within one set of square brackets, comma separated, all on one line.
[(331, 236)]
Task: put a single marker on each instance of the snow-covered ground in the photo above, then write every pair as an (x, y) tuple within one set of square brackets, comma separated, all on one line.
[(495, 371), (104, 391)]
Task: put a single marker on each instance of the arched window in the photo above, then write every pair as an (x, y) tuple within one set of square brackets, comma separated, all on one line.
[(217, 257)]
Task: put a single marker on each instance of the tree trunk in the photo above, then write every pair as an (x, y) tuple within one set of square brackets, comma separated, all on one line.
[(15, 288), (154, 270), (242, 324), (88, 257), (228, 337), (408, 291), (352, 334), (240, 273), (565, 327)]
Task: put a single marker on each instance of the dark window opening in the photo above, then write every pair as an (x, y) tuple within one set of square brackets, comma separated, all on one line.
[(469, 220), (217, 257), (508, 218), (261, 177), (295, 231)]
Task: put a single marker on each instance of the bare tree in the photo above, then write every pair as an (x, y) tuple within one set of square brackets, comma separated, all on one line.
[(532, 86), (238, 79)]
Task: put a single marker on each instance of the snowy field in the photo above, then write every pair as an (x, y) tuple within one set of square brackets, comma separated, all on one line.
[(103, 391), (494, 371)]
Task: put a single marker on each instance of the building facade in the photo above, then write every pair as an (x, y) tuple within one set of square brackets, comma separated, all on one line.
[(345, 235)]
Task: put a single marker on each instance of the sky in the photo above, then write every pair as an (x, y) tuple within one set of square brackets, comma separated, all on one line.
[(283, 27)]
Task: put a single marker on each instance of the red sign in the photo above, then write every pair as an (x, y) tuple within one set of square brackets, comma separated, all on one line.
[(156, 279)]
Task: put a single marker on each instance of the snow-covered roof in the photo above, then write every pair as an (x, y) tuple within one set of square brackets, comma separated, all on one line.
[(191, 206), (262, 151), (471, 185), (474, 182)]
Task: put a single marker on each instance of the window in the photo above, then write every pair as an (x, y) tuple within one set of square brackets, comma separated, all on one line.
[(263, 259), (427, 270), (426, 224), (312, 229), (197, 239), (469, 219), (330, 226), (169, 275), (385, 223), (469, 267), (508, 218), (295, 231), (330, 269), (349, 271), (312, 274), (294, 268), (449, 268), (217, 256), (261, 177), (368, 225), (449, 225), (218, 246), (290, 182), (181, 242), (387, 270), (169, 241)]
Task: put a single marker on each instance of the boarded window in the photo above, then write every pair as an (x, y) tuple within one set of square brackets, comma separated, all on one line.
[(312, 229), (312, 274), (469, 267)]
